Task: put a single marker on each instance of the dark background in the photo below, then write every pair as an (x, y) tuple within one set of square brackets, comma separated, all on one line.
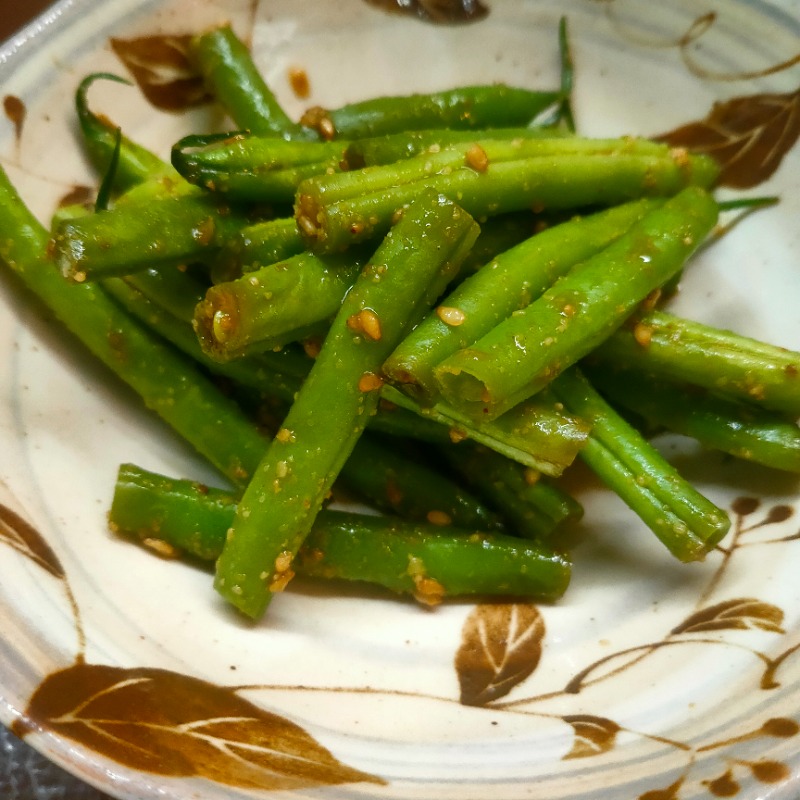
[(15, 13), (24, 775)]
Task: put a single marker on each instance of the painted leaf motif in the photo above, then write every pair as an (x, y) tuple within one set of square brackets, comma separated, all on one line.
[(748, 136), (24, 538), (670, 793), (593, 735), (441, 11), (742, 614), (501, 646), (161, 68), (171, 724)]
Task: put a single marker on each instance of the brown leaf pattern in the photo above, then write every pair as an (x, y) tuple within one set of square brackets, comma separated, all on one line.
[(175, 725), (501, 646), (593, 735), (743, 614), (748, 136), (161, 68), (439, 11), (670, 793), (24, 538)]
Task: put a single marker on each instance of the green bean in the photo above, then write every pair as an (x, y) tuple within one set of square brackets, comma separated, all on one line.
[(380, 150), (380, 473), (507, 284), (545, 183), (476, 154), (169, 384), (425, 561), (718, 360), (741, 429), (537, 433), (277, 510), (284, 302), (533, 506), (522, 354), (163, 222), (686, 522), (470, 107), (252, 168), (230, 73), (409, 488), (565, 113), (136, 163), (499, 234), (256, 246)]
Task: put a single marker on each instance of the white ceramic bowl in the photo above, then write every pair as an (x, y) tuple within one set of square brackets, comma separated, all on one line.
[(650, 680)]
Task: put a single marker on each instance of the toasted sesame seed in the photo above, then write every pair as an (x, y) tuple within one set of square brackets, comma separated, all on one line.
[(367, 322), (451, 316), (441, 518), (643, 334), (477, 158), (369, 382)]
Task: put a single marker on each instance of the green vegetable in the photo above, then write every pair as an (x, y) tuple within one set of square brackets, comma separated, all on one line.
[(162, 222), (379, 473), (718, 360), (406, 274), (168, 383), (536, 434), (281, 303), (741, 429), (425, 561), (470, 107), (230, 73), (379, 150), (503, 287), (522, 354), (533, 506), (136, 163), (336, 211), (686, 522), (252, 168), (256, 246)]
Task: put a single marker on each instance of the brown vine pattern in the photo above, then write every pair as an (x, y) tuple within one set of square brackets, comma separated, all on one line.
[(594, 735), (176, 725)]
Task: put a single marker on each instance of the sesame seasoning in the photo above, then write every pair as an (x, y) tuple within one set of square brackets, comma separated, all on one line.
[(440, 518), (369, 382), (367, 322), (477, 158), (451, 316), (643, 334)]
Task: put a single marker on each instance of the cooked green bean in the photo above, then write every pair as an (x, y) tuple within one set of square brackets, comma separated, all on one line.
[(252, 168), (281, 303), (686, 522), (529, 348), (381, 475), (426, 561), (534, 507), (742, 429), (162, 222), (256, 246), (554, 182), (406, 274), (230, 73), (168, 383), (136, 163), (507, 284), (470, 107), (718, 360)]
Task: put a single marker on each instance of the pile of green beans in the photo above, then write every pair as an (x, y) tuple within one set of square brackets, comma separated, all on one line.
[(433, 302)]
